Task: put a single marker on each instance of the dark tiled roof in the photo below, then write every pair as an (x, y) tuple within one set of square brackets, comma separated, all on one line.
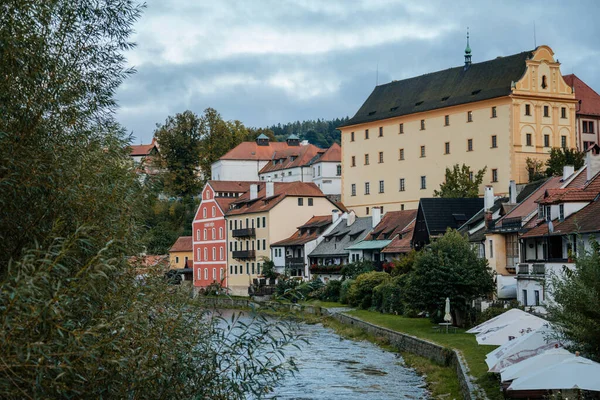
[(450, 87), (331, 246), (441, 213), (530, 188), (183, 243)]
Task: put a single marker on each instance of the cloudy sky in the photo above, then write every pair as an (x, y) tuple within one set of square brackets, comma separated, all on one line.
[(269, 61)]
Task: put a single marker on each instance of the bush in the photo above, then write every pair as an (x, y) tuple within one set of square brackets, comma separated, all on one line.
[(328, 292), (361, 291), (388, 297), (352, 270), (344, 289)]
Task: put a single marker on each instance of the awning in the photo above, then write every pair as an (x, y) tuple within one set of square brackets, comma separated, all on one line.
[(369, 245)]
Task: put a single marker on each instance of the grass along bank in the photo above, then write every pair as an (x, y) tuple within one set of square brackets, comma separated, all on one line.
[(473, 353)]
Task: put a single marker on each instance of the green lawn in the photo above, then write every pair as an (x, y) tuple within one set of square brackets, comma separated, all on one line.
[(465, 342), (324, 304)]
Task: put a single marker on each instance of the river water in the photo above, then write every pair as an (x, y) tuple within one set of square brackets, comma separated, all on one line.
[(331, 367)]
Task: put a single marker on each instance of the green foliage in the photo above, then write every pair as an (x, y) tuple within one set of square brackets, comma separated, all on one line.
[(575, 310), (268, 269), (448, 267), (345, 289), (458, 182), (404, 264), (559, 157), (179, 142), (352, 270), (361, 291), (329, 292), (322, 133), (534, 169), (388, 297)]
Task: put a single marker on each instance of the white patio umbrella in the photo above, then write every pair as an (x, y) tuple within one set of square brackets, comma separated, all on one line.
[(572, 373), (522, 348), (535, 363), (502, 319), (499, 335), (447, 315)]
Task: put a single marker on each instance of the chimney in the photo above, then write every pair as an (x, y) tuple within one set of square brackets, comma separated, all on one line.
[(488, 198), (270, 191), (512, 190), (376, 216), (335, 215), (253, 191), (568, 170), (350, 218)]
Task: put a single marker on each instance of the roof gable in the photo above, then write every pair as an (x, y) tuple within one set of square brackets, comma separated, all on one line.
[(590, 100)]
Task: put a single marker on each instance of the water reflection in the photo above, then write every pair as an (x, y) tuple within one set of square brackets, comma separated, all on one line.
[(331, 367)]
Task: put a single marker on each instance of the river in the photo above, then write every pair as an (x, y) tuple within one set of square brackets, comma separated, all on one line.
[(331, 367)]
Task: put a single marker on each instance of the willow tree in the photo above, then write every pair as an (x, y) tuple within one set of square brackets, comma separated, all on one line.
[(75, 320)]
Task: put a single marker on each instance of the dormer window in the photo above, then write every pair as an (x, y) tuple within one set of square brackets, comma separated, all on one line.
[(541, 214)]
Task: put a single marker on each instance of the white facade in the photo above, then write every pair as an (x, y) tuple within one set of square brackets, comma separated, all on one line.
[(302, 174), (328, 177), (236, 170)]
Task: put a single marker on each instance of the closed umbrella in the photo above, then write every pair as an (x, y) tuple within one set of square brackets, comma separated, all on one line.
[(572, 373), (535, 363), (447, 315)]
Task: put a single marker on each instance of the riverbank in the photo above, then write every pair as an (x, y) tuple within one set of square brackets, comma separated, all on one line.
[(445, 368)]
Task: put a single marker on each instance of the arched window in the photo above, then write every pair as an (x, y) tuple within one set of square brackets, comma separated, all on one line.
[(221, 252), (544, 83), (221, 274), (214, 253), (214, 233), (205, 254), (205, 237), (205, 274), (198, 255), (198, 234), (214, 274), (221, 233), (203, 212), (214, 211)]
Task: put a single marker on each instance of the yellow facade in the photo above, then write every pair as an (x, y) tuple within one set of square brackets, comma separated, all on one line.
[(280, 222), (177, 259), (490, 133)]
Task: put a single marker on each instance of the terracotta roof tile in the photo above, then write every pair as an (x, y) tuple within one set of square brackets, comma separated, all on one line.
[(293, 156), (230, 186), (252, 151), (590, 100), (304, 234), (392, 224), (183, 243), (584, 221), (333, 154), (401, 244), (143, 149)]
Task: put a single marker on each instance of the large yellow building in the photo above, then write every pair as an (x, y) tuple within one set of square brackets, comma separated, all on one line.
[(492, 114), (267, 213)]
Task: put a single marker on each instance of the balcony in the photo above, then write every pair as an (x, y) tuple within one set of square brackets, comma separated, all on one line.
[(294, 261), (244, 255), (531, 271), (246, 232)]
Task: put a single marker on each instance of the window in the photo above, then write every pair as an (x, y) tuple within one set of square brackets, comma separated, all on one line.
[(264, 222), (353, 189), (310, 202), (206, 254), (527, 109), (205, 274), (563, 112), (338, 170), (203, 212), (423, 182), (536, 295), (380, 157), (494, 141), (230, 224), (401, 155), (300, 201), (402, 187), (367, 210), (221, 274), (352, 136), (401, 207), (205, 235), (546, 140), (367, 188), (422, 151), (258, 222), (494, 115), (221, 253), (586, 145), (469, 144), (366, 133), (319, 170), (563, 142), (198, 234), (264, 244), (422, 124), (494, 175), (401, 129), (353, 162), (381, 187), (561, 212), (214, 253), (447, 148), (177, 260), (528, 139), (231, 270), (198, 258), (546, 111), (366, 159), (214, 274), (544, 84), (235, 223), (214, 233), (469, 116), (381, 131), (588, 127), (525, 297), (230, 246), (446, 120), (491, 242), (471, 176)]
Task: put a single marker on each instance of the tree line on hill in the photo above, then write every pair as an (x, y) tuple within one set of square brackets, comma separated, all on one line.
[(320, 132)]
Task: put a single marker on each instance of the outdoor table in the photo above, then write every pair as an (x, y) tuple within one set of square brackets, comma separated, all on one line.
[(446, 324)]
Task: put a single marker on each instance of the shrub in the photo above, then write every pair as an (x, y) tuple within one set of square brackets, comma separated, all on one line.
[(352, 270), (328, 292), (388, 296), (361, 291), (344, 289)]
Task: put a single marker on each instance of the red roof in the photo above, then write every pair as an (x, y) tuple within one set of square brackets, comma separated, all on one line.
[(590, 100), (281, 190), (572, 194), (183, 243), (143, 149), (225, 202), (584, 221), (333, 154), (401, 243), (392, 224), (293, 156), (230, 186), (252, 151), (311, 230)]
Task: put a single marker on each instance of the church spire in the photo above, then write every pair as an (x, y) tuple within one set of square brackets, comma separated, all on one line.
[(467, 52)]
